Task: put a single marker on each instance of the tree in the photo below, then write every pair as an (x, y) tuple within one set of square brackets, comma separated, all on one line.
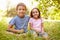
[(12, 12), (46, 5)]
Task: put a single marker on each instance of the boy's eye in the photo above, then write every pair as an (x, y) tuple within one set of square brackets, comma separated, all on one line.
[(19, 9), (23, 9)]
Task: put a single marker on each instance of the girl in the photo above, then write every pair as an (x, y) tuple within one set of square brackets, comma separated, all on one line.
[(36, 23)]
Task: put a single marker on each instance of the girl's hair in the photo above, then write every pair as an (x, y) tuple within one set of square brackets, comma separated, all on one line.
[(32, 13), (20, 4)]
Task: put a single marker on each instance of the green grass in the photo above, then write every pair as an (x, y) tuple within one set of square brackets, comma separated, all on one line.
[(52, 28)]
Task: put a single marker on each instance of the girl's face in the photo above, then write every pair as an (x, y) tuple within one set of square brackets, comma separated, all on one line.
[(35, 13)]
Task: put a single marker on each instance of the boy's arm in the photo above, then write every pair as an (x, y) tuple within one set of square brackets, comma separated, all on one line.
[(11, 29)]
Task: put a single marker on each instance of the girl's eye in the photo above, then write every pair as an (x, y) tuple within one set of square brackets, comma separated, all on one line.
[(35, 12)]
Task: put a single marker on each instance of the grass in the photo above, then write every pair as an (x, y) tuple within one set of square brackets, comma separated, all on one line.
[(52, 28)]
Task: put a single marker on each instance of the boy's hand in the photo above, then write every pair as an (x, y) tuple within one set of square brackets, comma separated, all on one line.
[(16, 31), (21, 31)]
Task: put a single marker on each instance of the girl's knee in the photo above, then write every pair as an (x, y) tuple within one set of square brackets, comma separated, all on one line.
[(45, 37)]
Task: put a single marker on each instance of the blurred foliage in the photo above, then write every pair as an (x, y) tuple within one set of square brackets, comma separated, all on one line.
[(1, 10), (52, 28), (12, 12), (49, 8)]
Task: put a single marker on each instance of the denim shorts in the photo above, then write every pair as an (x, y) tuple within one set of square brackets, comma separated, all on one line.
[(39, 34)]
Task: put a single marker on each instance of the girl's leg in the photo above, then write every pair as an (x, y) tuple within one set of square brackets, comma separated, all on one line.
[(45, 36)]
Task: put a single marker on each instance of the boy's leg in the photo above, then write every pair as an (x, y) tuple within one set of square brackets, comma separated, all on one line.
[(9, 32), (33, 33), (17, 34)]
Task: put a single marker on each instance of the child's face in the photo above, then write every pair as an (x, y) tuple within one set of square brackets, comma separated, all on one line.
[(35, 13), (21, 11)]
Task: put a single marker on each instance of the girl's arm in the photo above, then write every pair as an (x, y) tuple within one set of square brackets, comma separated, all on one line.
[(42, 27), (30, 26)]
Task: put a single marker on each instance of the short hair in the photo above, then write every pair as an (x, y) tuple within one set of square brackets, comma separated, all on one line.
[(38, 11), (20, 4)]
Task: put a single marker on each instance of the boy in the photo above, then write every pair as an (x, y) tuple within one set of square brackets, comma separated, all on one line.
[(20, 21)]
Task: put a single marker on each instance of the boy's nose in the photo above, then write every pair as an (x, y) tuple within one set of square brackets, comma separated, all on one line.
[(21, 10)]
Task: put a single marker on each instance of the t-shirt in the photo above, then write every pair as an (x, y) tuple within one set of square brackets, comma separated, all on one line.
[(20, 23), (36, 24)]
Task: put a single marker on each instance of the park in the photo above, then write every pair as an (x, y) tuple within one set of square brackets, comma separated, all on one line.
[(50, 11)]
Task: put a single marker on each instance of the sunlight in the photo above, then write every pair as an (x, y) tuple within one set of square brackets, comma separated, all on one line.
[(26, 2), (7, 4), (3, 4), (12, 3)]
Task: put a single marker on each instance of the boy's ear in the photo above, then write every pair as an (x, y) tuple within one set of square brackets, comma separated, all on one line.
[(16, 11)]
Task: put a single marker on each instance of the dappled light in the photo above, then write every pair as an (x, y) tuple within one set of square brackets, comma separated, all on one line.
[(50, 12)]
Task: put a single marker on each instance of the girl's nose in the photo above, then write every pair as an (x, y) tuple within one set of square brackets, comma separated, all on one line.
[(36, 13)]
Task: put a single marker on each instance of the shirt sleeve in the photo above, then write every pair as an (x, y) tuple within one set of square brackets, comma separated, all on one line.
[(30, 20), (12, 22), (42, 20)]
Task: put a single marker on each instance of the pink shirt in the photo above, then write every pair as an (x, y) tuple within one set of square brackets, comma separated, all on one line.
[(36, 24)]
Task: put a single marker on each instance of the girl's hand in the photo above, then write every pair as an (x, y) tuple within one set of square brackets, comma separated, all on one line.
[(35, 30)]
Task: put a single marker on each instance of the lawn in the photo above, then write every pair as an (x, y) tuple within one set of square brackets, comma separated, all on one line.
[(52, 28)]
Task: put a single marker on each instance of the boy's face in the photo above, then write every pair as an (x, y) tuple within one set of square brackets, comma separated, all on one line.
[(21, 11)]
